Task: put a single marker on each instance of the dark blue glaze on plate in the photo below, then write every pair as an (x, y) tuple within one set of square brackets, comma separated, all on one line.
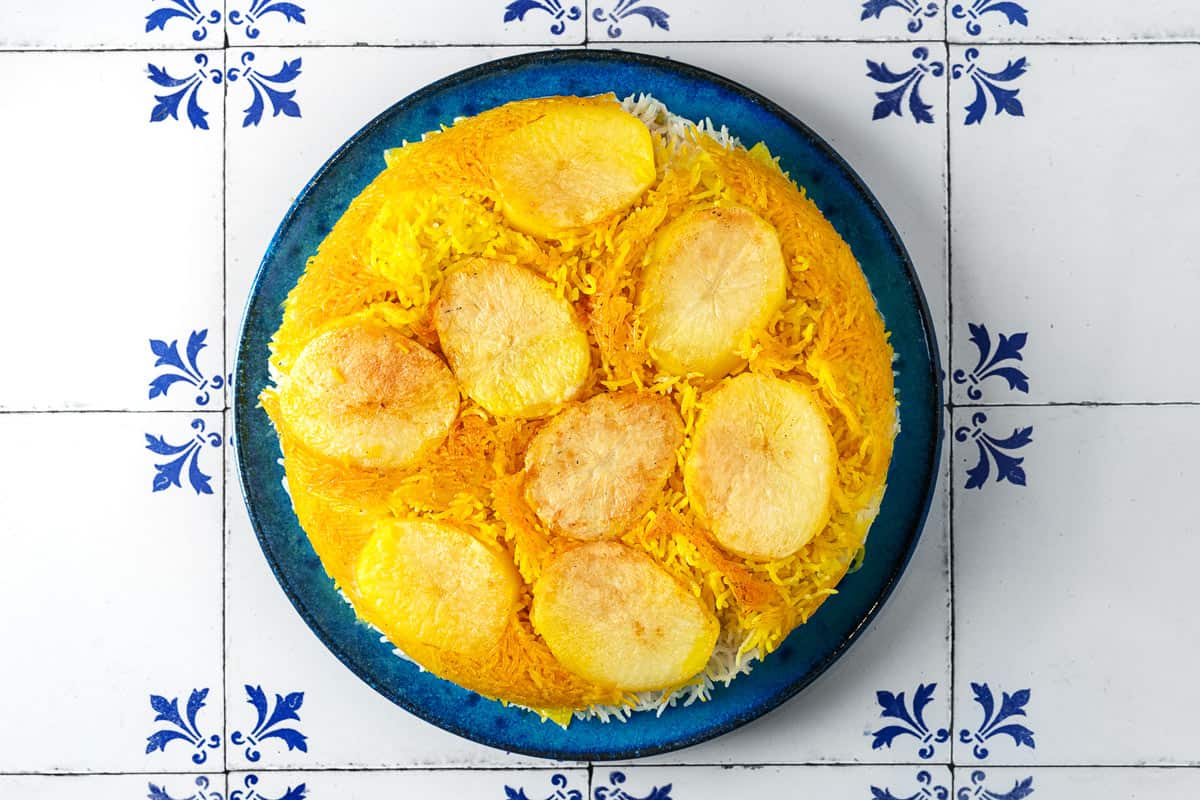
[(840, 194)]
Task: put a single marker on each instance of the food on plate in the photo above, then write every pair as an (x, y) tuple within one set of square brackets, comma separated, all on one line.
[(595, 468), (584, 406), (715, 277)]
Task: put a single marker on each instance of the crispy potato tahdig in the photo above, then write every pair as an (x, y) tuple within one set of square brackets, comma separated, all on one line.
[(595, 468), (429, 583), (572, 167), (366, 395), (614, 616), (514, 344), (663, 430), (715, 276), (761, 468)]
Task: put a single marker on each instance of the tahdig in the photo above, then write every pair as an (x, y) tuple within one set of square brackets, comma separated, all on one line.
[(585, 407)]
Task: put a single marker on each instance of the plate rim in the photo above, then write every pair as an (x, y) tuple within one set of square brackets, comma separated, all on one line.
[(936, 379)]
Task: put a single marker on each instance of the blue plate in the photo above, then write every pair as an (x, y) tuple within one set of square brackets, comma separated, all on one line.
[(840, 194)]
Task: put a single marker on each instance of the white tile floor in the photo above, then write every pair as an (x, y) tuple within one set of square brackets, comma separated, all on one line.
[(1046, 192)]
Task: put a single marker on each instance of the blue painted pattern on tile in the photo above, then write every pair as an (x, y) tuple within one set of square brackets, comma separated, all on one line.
[(895, 706), (269, 725), (189, 10), (561, 791), (183, 455), (993, 364), (266, 86), (918, 11), (250, 791), (560, 14), (1021, 788), (973, 12), (1011, 705), (1004, 99), (927, 790), (262, 8), (167, 105), (991, 449), (182, 728), (176, 370), (614, 790), (624, 9), (906, 84), (202, 792)]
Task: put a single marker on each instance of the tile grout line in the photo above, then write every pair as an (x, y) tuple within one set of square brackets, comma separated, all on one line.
[(228, 389), (949, 390)]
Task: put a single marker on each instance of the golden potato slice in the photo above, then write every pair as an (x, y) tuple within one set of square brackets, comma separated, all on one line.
[(613, 616), (572, 167), (714, 275), (761, 468), (595, 468), (514, 344), (366, 395), (436, 585)]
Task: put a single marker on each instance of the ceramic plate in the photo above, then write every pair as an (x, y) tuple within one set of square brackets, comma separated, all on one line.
[(840, 194)]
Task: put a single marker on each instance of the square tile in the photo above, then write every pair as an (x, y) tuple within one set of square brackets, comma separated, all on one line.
[(763, 20), (564, 784), (1094, 783), (1073, 574), (127, 24), (113, 787), (839, 718), (262, 180), (117, 601), (1074, 208), (344, 723), (719, 783), (357, 22), (829, 87), (1097, 20), (112, 230)]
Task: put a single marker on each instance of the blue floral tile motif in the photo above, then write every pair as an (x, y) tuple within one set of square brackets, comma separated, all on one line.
[(561, 790), (991, 449), (614, 791), (262, 8), (1011, 705), (988, 83), (189, 10), (560, 14), (176, 370), (993, 364), (624, 9), (183, 728), (269, 726), (905, 84), (250, 791), (167, 105), (894, 706), (156, 792), (918, 11), (266, 86), (974, 11), (183, 455), (927, 790), (1020, 789)]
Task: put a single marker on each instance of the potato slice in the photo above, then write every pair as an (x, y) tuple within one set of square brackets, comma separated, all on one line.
[(366, 395), (762, 465), (571, 167), (514, 344), (595, 468), (714, 275), (436, 585), (613, 616)]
